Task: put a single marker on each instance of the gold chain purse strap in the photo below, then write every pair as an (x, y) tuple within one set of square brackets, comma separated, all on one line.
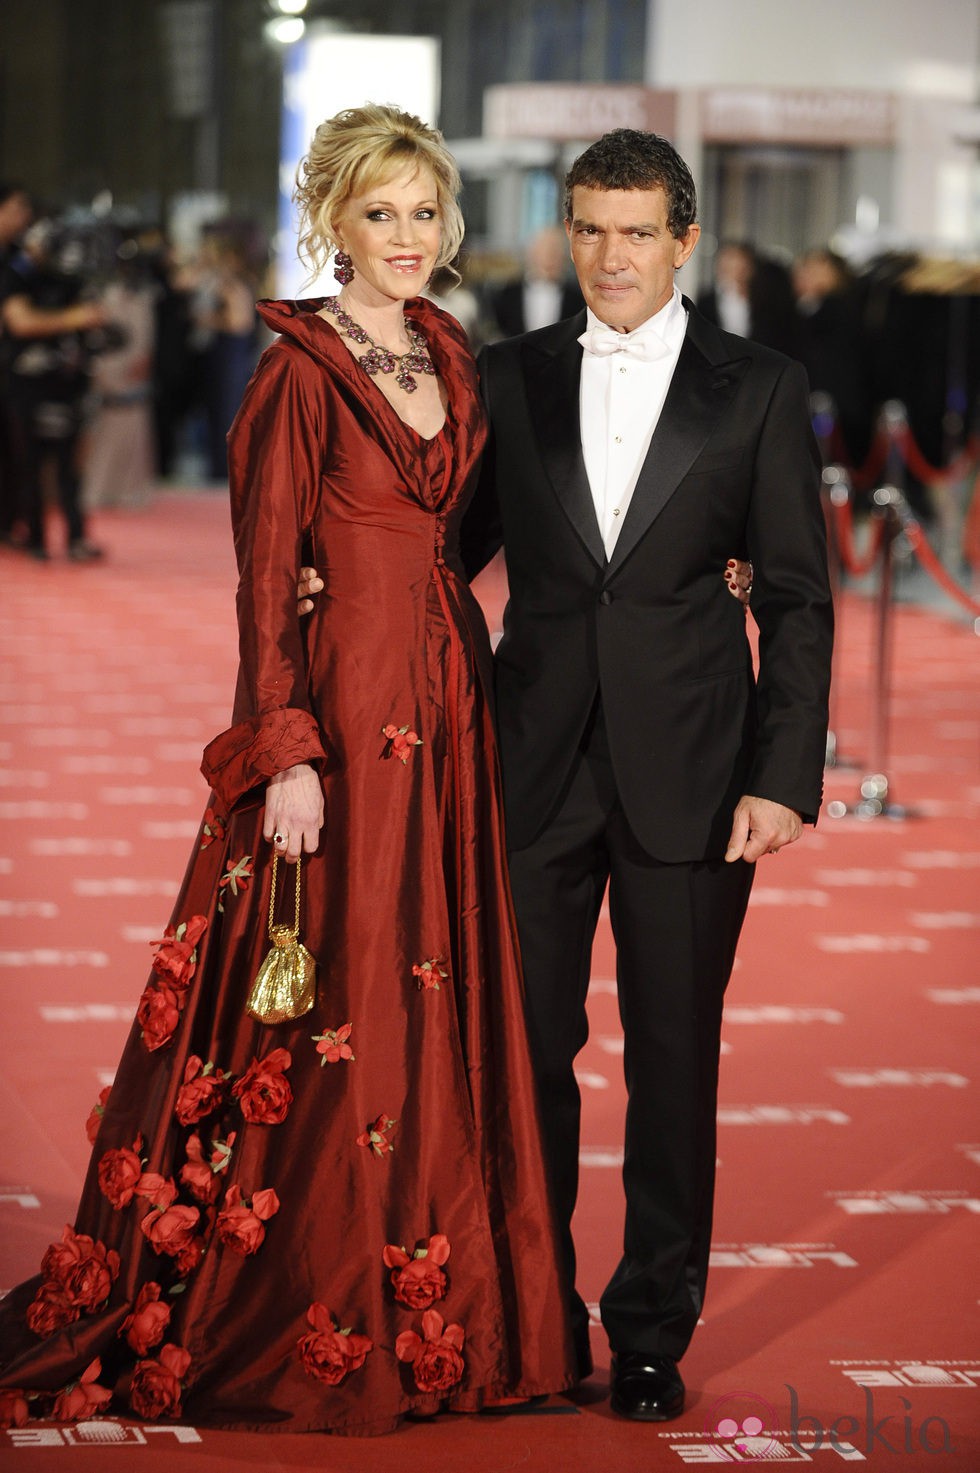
[(285, 987)]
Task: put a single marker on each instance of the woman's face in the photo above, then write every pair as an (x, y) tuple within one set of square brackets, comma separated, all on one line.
[(392, 236)]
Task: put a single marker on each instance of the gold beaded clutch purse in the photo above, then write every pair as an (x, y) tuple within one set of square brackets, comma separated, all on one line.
[(285, 987)]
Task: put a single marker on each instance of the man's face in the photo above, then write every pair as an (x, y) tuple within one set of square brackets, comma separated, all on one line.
[(624, 255)]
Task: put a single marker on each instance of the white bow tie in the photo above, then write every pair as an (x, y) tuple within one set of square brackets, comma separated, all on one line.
[(601, 341)]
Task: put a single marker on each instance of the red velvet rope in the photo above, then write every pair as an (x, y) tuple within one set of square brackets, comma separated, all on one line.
[(920, 467), (858, 566), (920, 546), (865, 476), (854, 564)]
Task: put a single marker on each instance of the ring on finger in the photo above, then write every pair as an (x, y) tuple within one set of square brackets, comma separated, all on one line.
[(279, 840)]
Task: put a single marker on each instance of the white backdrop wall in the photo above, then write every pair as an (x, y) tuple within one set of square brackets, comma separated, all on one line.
[(928, 47), (924, 52)]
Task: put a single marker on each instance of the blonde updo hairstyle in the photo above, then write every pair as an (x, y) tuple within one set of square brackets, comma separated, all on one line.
[(358, 150)]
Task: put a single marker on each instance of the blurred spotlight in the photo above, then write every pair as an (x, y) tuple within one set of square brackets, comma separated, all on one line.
[(291, 7), (285, 31)]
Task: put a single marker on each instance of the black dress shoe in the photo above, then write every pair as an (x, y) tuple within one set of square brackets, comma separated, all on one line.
[(646, 1388)]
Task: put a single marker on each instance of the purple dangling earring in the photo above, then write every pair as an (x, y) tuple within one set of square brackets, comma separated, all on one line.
[(343, 268)]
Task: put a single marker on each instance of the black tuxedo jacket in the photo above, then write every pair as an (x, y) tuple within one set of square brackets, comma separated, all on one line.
[(733, 469)]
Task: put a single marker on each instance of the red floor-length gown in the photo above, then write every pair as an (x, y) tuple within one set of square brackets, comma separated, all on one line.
[(311, 1169)]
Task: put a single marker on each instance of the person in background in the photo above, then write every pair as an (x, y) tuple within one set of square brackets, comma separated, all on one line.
[(230, 319), (119, 464), (543, 294), (16, 213), (752, 296), (831, 344), (49, 323), (449, 291)]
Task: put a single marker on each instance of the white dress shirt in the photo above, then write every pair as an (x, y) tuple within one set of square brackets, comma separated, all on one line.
[(621, 396), (542, 304)]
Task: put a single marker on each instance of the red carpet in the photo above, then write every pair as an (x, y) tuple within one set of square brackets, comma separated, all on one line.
[(843, 1304)]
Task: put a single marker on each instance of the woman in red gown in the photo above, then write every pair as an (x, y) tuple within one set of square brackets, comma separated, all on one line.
[(332, 1222)]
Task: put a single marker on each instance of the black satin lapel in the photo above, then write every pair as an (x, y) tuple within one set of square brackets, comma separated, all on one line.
[(552, 381), (699, 393)]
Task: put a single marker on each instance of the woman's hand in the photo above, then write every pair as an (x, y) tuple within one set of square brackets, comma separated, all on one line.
[(294, 811), (309, 583), (738, 578)]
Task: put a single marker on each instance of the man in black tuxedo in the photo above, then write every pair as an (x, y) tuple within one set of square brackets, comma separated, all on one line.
[(633, 449)]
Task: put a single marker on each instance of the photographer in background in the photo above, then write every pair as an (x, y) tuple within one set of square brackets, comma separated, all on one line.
[(47, 346)]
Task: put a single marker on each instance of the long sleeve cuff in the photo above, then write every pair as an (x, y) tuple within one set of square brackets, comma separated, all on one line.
[(247, 755)]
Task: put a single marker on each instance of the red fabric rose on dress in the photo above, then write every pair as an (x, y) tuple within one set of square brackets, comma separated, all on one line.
[(171, 1231), (221, 1152), (400, 742), (376, 1136), (83, 1398), (190, 1256), (156, 1386), (241, 1224), (50, 1310), (158, 1014), (158, 1190), (333, 1046), (95, 1115), (329, 1354), (235, 880), (14, 1411), (418, 1281), (429, 974), (263, 1091), (82, 1268), (437, 1361), (175, 961), (147, 1325), (197, 1174), (119, 1173), (214, 827), (202, 1091)]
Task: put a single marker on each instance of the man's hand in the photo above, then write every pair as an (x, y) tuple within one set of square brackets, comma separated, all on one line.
[(309, 583), (294, 811), (738, 578), (761, 827)]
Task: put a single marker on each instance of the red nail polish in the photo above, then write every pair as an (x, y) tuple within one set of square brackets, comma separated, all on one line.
[(731, 562)]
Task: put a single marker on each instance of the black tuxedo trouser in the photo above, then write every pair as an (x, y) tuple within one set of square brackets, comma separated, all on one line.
[(676, 927)]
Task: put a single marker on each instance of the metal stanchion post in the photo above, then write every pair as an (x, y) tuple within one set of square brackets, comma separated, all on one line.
[(836, 492), (874, 800)]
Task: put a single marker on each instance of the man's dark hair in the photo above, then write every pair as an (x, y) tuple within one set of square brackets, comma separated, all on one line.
[(628, 159)]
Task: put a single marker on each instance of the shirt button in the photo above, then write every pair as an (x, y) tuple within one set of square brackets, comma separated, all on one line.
[(622, 370), (605, 597), (618, 439), (615, 511)]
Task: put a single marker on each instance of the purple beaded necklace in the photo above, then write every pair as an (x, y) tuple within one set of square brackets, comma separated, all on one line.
[(381, 360)]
